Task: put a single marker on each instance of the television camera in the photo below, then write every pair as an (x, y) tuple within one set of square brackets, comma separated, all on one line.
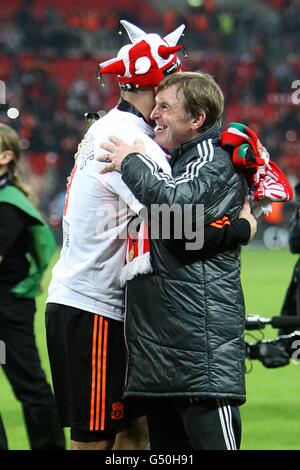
[(274, 352)]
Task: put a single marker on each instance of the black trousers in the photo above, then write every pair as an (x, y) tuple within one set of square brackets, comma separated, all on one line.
[(193, 423), (24, 372)]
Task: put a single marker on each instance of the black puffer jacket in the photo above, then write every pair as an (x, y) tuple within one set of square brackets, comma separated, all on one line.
[(185, 321)]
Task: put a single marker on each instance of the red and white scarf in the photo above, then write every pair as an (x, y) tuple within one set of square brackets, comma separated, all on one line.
[(138, 260), (267, 182)]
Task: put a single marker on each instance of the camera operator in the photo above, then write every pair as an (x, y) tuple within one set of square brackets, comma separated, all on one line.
[(291, 304)]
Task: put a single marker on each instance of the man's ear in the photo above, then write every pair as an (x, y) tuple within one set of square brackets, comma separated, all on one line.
[(6, 157), (199, 121)]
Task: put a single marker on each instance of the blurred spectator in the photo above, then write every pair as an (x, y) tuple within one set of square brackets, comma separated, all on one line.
[(26, 248)]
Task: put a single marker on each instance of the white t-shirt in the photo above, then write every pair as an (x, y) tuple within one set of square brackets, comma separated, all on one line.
[(98, 209)]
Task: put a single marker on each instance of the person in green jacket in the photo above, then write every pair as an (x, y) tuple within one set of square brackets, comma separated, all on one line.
[(26, 247)]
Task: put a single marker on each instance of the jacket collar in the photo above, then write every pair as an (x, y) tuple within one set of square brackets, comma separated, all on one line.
[(124, 105), (211, 133)]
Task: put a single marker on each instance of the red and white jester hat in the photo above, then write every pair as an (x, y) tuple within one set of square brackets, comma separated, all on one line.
[(146, 61)]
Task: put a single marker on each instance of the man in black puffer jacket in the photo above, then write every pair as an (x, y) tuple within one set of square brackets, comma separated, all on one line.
[(185, 320)]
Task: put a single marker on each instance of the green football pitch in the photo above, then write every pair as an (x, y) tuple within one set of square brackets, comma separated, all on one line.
[(271, 416)]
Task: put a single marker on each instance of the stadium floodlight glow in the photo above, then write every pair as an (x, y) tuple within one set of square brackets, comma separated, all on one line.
[(2, 92), (24, 144), (195, 3), (13, 113)]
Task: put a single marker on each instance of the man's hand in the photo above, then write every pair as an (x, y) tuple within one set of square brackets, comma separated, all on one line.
[(118, 149), (245, 213)]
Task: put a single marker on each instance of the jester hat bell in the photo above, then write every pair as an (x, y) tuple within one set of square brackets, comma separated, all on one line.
[(146, 61)]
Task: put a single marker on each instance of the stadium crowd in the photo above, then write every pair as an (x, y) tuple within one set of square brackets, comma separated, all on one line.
[(49, 52)]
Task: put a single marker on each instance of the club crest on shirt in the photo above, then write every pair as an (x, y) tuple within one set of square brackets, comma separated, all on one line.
[(117, 410)]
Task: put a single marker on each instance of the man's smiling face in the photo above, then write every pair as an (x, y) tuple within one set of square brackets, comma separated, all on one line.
[(173, 125)]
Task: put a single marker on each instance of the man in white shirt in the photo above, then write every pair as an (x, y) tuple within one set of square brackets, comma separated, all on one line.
[(85, 306)]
